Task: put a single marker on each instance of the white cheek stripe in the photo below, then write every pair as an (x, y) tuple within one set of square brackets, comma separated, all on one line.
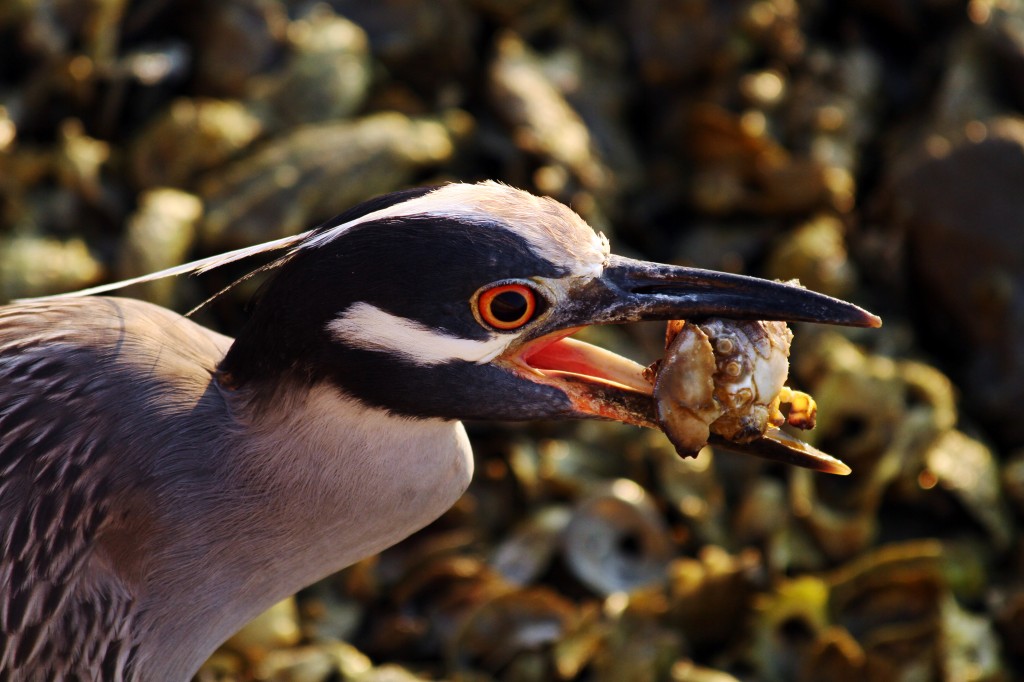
[(365, 326)]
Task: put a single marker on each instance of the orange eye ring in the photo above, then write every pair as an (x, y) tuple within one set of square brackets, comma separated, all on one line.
[(507, 306)]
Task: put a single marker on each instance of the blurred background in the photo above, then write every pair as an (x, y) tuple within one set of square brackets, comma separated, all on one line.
[(874, 149)]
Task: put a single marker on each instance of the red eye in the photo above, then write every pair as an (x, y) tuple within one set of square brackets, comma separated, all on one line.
[(507, 306)]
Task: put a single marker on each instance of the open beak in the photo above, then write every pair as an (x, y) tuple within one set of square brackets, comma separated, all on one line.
[(601, 384)]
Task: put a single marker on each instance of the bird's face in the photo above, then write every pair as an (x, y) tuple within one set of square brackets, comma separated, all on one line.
[(459, 304)]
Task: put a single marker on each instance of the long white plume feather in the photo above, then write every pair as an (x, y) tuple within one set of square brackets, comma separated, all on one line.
[(195, 267), (198, 267)]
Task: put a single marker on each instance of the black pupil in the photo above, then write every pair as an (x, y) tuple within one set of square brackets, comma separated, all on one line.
[(509, 306)]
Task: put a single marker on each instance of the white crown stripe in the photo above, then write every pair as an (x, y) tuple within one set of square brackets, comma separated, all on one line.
[(493, 203), (435, 203)]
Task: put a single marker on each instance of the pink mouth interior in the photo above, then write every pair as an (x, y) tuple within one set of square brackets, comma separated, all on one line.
[(558, 355)]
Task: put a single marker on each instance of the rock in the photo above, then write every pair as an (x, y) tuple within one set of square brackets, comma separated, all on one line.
[(190, 136), (315, 171), (959, 205), (326, 76), (160, 235), (38, 266)]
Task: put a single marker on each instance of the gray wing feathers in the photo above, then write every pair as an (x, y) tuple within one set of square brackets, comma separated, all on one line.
[(63, 610)]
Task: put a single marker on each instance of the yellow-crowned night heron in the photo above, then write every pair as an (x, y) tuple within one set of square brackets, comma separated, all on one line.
[(161, 484)]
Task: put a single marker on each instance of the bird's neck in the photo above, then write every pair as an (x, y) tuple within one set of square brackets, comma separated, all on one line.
[(355, 477), (304, 490)]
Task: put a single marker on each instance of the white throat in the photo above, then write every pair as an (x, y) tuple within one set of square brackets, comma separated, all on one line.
[(356, 480)]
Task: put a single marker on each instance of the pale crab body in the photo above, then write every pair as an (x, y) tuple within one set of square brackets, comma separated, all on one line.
[(726, 377)]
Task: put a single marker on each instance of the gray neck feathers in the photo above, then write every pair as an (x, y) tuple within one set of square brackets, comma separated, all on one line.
[(297, 493)]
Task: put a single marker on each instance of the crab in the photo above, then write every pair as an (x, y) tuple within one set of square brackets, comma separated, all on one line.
[(723, 381)]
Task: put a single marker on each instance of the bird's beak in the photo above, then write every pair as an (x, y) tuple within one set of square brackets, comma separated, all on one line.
[(632, 290), (602, 384)]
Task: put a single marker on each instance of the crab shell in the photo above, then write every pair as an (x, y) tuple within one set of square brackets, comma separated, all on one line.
[(722, 376)]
